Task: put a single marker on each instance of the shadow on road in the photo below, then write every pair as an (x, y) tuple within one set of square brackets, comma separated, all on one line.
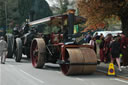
[(51, 67), (13, 62)]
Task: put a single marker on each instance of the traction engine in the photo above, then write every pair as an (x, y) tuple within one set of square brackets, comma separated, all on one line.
[(62, 48)]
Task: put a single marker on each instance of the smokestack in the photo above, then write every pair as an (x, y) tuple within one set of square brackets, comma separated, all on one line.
[(71, 20)]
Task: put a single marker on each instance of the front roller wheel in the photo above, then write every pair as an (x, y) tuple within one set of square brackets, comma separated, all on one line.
[(81, 61), (37, 52), (18, 50)]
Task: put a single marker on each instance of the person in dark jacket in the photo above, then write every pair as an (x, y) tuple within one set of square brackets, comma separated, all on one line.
[(106, 48), (124, 49), (88, 38), (101, 46), (115, 51)]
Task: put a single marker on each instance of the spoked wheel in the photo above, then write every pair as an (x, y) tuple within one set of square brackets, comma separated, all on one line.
[(37, 52), (81, 61), (10, 42), (18, 50)]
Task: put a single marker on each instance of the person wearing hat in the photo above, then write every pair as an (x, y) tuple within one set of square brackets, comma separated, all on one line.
[(3, 49)]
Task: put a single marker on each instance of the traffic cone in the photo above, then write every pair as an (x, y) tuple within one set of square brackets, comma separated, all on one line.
[(111, 70)]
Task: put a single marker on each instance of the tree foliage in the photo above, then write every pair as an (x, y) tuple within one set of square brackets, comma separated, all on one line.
[(98, 10), (2, 13), (24, 7), (35, 8), (11, 10), (61, 6), (20, 10)]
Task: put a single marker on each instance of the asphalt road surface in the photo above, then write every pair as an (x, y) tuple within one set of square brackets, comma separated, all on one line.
[(23, 73)]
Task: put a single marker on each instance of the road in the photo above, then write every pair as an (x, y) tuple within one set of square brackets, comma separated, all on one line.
[(23, 73)]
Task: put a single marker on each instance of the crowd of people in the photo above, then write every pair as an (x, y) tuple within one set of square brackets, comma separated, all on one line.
[(113, 49)]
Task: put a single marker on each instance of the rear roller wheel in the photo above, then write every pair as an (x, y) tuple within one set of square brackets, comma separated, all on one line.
[(10, 42), (81, 61), (37, 52), (18, 50)]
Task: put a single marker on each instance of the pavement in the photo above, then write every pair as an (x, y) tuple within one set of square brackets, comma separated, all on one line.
[(103, 67)]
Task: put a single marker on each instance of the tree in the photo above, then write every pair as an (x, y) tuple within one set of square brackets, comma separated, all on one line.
[(34, 9), (11, 11), (61, 6), (98, 10), (2, 14), (13, 15)]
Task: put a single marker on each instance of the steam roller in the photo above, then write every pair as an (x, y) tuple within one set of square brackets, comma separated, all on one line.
[(73, 59), (64, 47)]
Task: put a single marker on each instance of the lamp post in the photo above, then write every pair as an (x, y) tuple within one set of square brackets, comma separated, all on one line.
[(6, 13)]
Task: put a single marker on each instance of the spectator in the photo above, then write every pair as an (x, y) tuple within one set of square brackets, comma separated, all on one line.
[(3, 50), (9, 30), (115, 51), (101, 36), (88, 38), (124, 49), (96, 36), (16, 30), (101, 46), (93, 43), (106, 48)]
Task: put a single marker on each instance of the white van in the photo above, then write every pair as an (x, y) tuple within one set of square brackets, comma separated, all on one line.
[(105, 33)]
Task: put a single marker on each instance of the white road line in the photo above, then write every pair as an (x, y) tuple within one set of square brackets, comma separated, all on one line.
[(32, 77), (80, 79), (115, 78), (121, 80), (58, 72)]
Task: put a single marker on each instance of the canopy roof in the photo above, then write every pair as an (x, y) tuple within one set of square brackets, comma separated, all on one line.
[(57, 20)]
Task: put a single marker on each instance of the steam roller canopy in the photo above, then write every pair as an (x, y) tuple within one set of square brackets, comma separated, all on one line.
[(81, 61)]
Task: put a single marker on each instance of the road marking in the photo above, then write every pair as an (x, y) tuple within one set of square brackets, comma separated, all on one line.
[(32, 77), (116, 79), (58, 72), (80, 79), (117, 76), (121, 80)]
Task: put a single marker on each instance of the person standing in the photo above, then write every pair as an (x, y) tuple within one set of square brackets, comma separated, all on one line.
[(93, 43), (106, 48), (88, 38), (115, 52), (3, 50), (16, 30), (124, 49), (101, 46)]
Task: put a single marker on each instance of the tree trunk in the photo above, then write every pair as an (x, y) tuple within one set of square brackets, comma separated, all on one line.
[(124, 20)]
